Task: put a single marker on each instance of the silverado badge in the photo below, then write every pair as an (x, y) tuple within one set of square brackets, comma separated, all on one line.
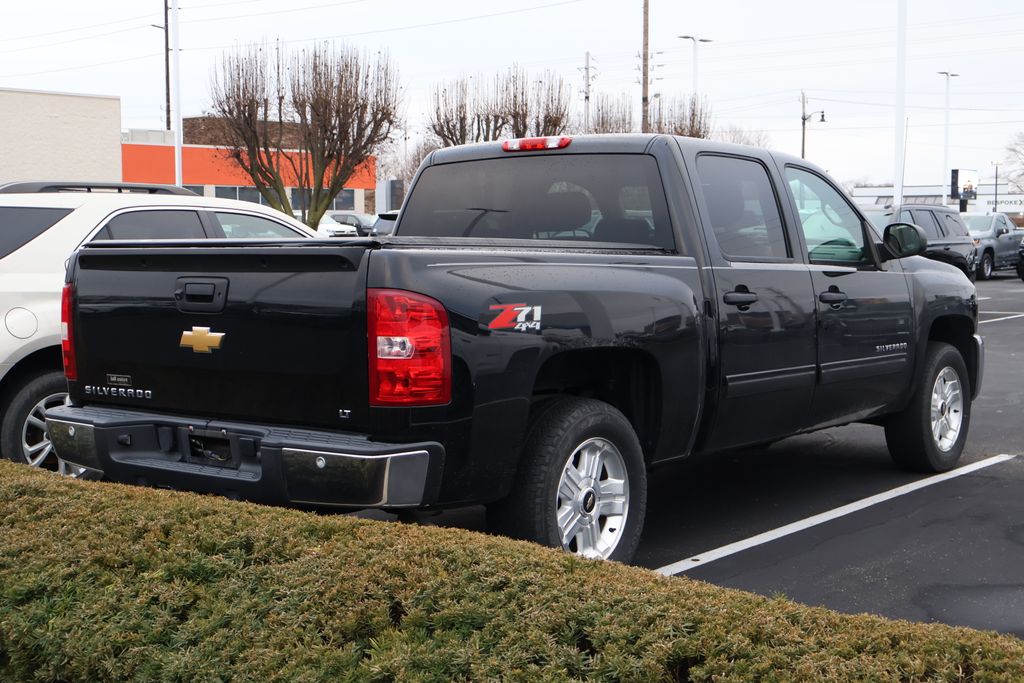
[(201, 340)]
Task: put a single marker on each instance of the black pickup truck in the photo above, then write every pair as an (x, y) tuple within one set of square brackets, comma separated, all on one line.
[(552, 318)]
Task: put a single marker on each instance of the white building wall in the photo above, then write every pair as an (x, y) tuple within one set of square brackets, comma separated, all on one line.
[(59, 136)]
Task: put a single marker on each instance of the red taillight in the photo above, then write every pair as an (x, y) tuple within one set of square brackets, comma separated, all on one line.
[(409, 349), (67, 333), (533, 144)]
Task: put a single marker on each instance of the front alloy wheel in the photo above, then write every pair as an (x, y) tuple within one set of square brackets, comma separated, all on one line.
[(929, 435), (947, 409)]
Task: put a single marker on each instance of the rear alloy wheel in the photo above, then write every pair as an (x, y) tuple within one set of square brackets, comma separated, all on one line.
[(929, 435), (986, 266), (581, 485), (23, 436)]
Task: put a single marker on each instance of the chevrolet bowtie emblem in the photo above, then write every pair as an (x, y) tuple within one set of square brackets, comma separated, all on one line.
[(201, 340)]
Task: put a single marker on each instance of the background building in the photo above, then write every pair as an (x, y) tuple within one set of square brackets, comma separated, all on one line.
[(59, 136)]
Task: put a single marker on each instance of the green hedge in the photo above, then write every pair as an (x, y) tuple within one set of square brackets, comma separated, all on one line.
[(102, 582)]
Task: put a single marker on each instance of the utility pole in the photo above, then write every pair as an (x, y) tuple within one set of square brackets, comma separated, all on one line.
[(804, 117), (586, 94), (645, 119)]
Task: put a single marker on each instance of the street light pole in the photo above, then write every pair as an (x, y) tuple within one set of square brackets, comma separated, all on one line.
[(945, 145), (695, 40), (995, 202)]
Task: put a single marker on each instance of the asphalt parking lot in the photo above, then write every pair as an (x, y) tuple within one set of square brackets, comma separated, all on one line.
[(826, 519), (806, 517)]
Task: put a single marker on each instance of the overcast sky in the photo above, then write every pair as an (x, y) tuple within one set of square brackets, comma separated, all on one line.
[(842, 54)]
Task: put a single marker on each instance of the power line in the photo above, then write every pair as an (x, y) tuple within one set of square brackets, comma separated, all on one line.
[(277, 11), (84, 66), (105, 24), (409, 27), (73, 40)]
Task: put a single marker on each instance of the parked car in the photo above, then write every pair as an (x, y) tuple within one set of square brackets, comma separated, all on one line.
[(997, 240), (495, 350), (948, 238), (385, 223), (40, 225), (331, 227), (361, 222)]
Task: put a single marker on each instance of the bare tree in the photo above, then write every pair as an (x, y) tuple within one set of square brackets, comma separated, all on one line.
[(690, 117), (1015, 160), (466, 112), (611, 114), (309, 119), (743, 136)]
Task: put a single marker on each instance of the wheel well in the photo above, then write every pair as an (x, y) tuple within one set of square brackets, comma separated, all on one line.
[(957, 330), (624, 378), (48, 358)]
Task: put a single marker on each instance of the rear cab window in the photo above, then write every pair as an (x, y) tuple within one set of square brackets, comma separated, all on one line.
[(589, 198), (20, 225)]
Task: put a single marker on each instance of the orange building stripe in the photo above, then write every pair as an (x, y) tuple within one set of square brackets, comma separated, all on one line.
[(208, 166)]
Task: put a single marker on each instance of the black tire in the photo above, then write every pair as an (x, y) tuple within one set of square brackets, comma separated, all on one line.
[(557, 430), (16, 430), (909, 435), (986, 266), (1020, 270)]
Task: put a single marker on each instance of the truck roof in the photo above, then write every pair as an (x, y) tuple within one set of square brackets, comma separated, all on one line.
[(626, 143)]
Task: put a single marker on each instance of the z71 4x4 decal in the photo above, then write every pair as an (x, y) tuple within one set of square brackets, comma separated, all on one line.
[(520, 317)]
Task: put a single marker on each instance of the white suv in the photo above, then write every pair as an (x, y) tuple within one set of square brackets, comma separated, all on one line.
[(40, 226)]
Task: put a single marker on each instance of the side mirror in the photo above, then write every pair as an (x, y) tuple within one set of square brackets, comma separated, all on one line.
[(1002, 231), (901, 240)]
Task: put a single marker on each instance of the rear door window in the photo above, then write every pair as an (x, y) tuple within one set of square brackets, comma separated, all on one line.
[(743, 210), (20, 225), (153, 225), (594, 198), (924, 219)]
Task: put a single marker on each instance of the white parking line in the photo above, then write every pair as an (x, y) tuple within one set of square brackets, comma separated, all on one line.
[(1006, 317), (739, 546), (984, 298)]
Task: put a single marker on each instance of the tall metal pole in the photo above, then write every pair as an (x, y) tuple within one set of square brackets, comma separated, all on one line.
[(645, 119), (946, 180), (167, 66), (177, 94), (901, 100)]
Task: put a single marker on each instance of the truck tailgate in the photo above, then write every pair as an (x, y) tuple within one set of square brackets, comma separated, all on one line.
[(256, 332)]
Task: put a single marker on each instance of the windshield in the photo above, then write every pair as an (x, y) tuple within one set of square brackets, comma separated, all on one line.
[(977, 223), (599, 198)]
